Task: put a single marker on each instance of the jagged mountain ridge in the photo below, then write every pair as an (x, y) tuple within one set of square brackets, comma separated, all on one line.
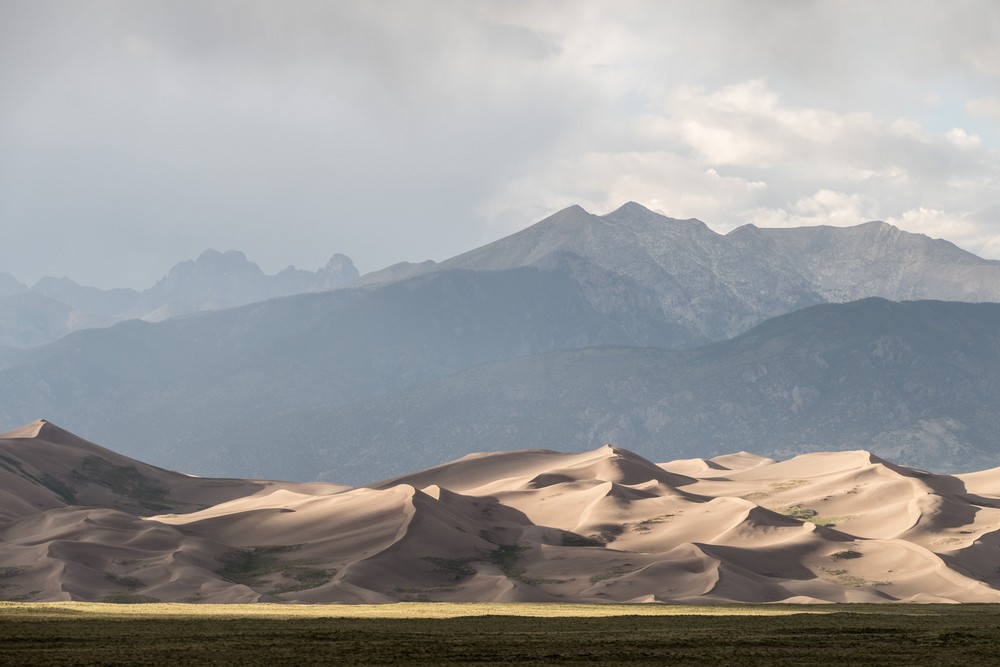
[(593, 526), (54, 307), (714, 286), (718, 286)]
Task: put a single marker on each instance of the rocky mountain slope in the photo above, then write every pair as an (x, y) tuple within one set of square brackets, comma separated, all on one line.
[(54, 307), (600, 525), (718, 286)]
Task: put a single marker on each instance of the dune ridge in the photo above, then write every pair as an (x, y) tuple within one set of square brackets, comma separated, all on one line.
[(80, 522)]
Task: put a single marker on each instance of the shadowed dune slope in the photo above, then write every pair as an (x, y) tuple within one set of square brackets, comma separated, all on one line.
[(79, 522)]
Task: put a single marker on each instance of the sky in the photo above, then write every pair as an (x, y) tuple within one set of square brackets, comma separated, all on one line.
[(134, 135)]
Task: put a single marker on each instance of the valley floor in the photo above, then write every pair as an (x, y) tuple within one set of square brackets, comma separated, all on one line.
[(441, 633)]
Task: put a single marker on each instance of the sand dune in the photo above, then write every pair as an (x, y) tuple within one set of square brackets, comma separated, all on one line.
[(79, 522)]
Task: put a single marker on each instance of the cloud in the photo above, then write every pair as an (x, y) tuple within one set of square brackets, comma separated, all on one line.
[(739, 154), (137, 134), (288, 132), (602, 181), (966, 229), (746, 124), (824, 207)]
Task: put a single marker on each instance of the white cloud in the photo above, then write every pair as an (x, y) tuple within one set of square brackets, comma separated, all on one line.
[(965, 229), (602, 181), (740, 154), (824, 207), (910, 129), (963, 139)]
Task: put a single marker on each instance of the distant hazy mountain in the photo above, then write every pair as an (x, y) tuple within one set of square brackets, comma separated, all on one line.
[(222, 280), (191, 373), (918, 381), (53, 307), (719, 286), (10, 285), (353, 385), (29, 320)]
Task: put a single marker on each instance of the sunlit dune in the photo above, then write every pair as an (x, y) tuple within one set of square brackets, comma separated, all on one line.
[(79, 522)]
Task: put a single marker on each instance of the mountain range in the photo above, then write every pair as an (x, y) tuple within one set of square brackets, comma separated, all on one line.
[(53, 307), (579, 330), (718, 286), (80, 522), (915, 381)]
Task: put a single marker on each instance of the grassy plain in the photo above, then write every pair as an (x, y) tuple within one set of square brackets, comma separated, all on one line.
[(534, 634)]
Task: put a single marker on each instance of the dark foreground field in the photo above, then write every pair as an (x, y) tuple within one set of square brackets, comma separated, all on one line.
[(124, 634)]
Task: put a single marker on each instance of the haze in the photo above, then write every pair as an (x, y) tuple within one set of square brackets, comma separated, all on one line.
[(135, 135)]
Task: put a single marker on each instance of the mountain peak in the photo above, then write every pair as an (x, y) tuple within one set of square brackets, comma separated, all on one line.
[(10, 285), (573, 213), (633, 213), (49, 283), (632, 208), (339, 271), (212, 256)]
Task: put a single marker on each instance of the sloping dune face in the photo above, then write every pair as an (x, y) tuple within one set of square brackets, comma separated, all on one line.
[(78, 522)]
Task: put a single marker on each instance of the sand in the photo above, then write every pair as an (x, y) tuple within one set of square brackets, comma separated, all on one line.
[(81, 523)]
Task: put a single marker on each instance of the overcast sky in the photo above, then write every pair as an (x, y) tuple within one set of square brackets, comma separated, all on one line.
[(134, 135)]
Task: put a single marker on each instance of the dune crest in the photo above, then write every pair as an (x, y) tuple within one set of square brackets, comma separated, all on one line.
[(28, 431), (80, 522)]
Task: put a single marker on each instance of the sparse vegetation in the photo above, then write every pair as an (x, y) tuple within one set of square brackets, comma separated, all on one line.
[(834, 520), (487, 509), (778, 487), (797, 512), (257, 567), (575, 540), (812, 516), (125, 481), (456, 568), (613, 573), (507, 558), (847, 554), (775, 487), (131, 583), (844, 578), (646, 525), (304, 578), (63, 492)]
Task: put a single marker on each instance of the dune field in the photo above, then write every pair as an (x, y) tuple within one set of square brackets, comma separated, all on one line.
[(79, 522)]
